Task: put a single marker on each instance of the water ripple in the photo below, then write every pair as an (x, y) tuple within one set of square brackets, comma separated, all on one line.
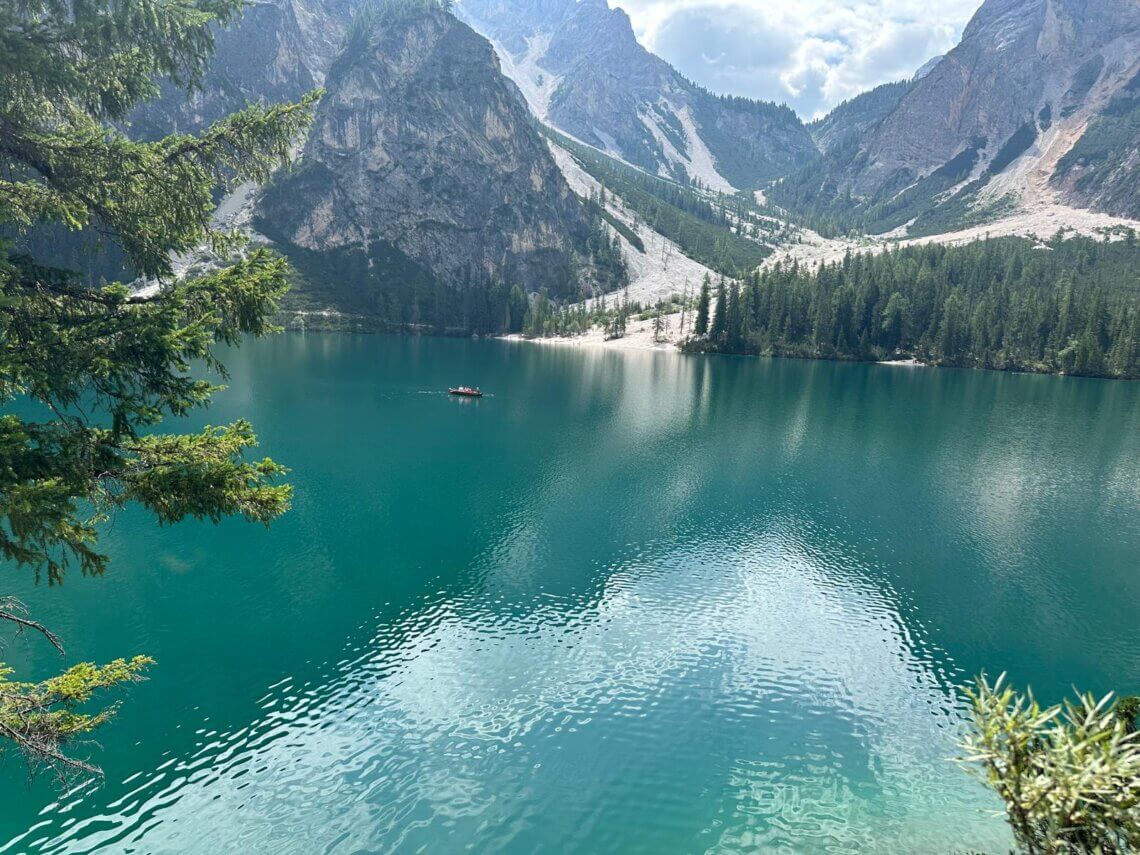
[(634, 604), (797, 706)]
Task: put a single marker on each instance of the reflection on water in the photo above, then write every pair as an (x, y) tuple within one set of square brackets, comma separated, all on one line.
[(633, 602)]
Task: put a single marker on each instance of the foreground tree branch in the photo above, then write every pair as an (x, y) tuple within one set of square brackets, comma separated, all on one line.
[(39, 718), (86, 373), (13, 610), (1069, 774)]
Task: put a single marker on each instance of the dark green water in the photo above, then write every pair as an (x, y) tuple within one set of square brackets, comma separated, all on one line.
[(633, 602)]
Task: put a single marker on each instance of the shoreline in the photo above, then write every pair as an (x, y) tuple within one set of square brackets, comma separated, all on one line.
[(644, 342), (639, 337), (904, 363)]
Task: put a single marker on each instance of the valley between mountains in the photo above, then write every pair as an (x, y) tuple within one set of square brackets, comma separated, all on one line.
[(469, 160)]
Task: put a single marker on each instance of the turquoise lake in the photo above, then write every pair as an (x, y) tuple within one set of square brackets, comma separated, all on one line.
[(630, 602)]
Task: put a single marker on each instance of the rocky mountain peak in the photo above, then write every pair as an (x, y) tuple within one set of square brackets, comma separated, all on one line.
[(1035, 105), (582, 70), (423, 162)]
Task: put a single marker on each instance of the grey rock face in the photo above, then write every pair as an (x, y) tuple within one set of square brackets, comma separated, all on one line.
[(927, 67), (583, 70), (277, 51), (604, 91), (985, 88), (421, 147)]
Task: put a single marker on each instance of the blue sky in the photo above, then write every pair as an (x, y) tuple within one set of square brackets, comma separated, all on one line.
[(811, 54)]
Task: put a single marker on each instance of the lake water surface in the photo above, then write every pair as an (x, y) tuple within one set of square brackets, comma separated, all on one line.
[(634, 602)]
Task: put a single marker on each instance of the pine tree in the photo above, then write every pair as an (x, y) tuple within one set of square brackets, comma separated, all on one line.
[(734, 322), (954, 331), (109, 364), (719, 329), (684, 310), (894, 321), (701, 327)]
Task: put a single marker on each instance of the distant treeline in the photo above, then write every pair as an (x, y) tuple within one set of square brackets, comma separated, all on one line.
[(1066, 305)]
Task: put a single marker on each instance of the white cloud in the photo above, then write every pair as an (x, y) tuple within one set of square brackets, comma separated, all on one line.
[(811, 54)]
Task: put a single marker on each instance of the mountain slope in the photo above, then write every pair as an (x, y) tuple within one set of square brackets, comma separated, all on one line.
[(423, 172), (583, 71), (852, 118), (992, 123), (1102, 169)]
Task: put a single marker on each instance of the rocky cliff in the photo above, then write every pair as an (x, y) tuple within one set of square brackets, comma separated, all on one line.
[(423, 167), (277, 51), (582, 69)]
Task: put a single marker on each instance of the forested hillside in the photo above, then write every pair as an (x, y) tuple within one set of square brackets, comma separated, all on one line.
[(700, 223), (1070, 306), (814, 194)]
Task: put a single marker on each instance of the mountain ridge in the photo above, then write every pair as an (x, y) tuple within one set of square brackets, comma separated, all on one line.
[(990, 125), (584, 72)]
